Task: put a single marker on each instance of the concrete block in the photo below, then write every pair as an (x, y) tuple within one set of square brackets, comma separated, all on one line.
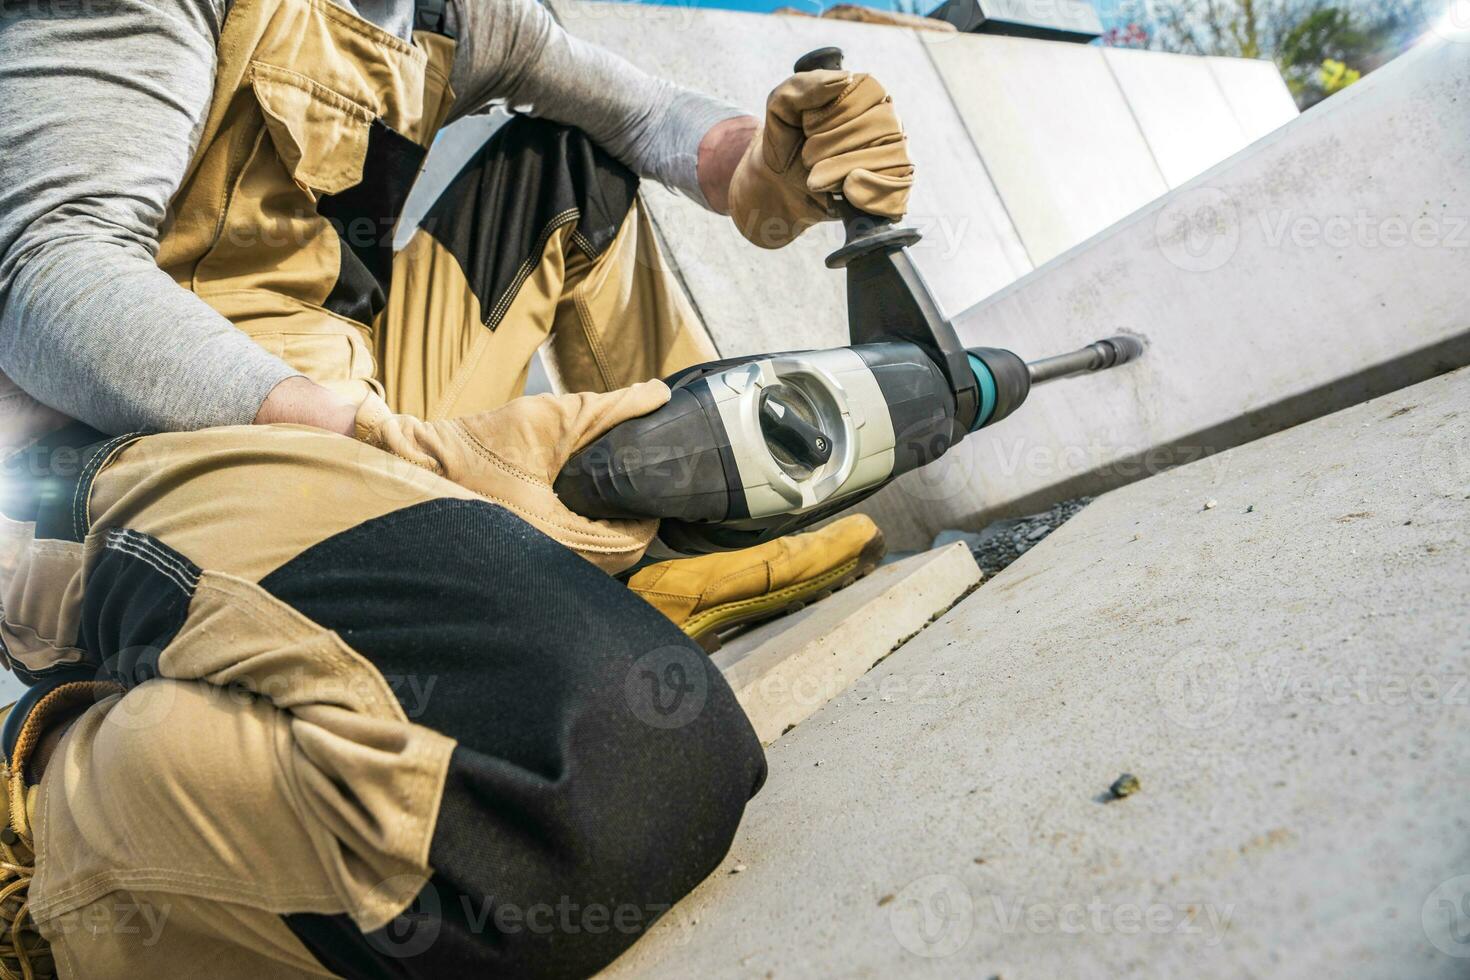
[(1257, 94), (785, 670), (1321, 266), (1181, 109), (1055, 132), (456, 143), (1285, 674), (755, 301)]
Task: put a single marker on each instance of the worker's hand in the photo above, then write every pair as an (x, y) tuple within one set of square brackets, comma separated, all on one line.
[(825, 132), (511, 455)]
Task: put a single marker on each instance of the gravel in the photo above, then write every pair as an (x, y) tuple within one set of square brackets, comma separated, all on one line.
[(1002, 542)]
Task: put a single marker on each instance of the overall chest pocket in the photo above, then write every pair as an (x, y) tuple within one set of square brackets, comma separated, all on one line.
[(320, 135)]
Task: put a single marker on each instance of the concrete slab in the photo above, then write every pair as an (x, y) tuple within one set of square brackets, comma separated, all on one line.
[(1055, 132), (785, 670), (1321, 266), (755, 301), (1285, 673), (1181, 109), (1257, 94), (453, 148)]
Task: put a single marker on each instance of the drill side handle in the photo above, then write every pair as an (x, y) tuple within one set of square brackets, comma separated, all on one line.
[(865, 233)]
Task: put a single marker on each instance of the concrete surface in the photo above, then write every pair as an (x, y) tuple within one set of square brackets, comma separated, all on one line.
[(453, 148), (785, 670), (1286, 675), (1321, 266), (756, 301), (1070, 158), (1257, 94), (1181, 109), (1055, 132)]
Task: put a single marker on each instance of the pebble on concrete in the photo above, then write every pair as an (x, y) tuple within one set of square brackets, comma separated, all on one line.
[(1124, 786)]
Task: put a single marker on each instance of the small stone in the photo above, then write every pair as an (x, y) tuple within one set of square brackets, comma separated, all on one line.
[(884, 900), (1211, 504), (737, 869), (1124, 786), (1251, 509)]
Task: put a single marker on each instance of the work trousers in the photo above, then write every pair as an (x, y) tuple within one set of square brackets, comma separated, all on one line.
[(340, 716)]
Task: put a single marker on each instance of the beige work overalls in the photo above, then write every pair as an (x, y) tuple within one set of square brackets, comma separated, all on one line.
[(247, 791)]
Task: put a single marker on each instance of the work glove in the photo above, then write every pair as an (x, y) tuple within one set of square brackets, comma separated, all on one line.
[(825, 132), (511, 455)]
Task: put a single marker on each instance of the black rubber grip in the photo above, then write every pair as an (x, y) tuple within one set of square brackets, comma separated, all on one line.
[(670, 463), (822, 59)]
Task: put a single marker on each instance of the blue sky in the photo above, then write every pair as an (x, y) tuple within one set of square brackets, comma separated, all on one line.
[(765, 6), (816, 6)]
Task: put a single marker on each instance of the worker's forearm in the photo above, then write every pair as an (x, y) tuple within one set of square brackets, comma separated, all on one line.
[(100, 118), (512, 50), (303, 402), (719, 152), (99, 332)]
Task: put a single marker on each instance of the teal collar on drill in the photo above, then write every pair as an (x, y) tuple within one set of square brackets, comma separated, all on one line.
[(986, 380)]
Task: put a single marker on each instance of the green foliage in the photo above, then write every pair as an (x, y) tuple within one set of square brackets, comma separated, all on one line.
[(1321, 46), (1334, 76)]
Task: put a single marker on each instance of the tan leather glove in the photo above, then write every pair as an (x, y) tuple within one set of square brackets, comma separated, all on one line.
[(511, 455), (825, 132)]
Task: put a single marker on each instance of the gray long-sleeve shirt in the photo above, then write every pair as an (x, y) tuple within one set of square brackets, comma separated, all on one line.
[(101, 108)]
